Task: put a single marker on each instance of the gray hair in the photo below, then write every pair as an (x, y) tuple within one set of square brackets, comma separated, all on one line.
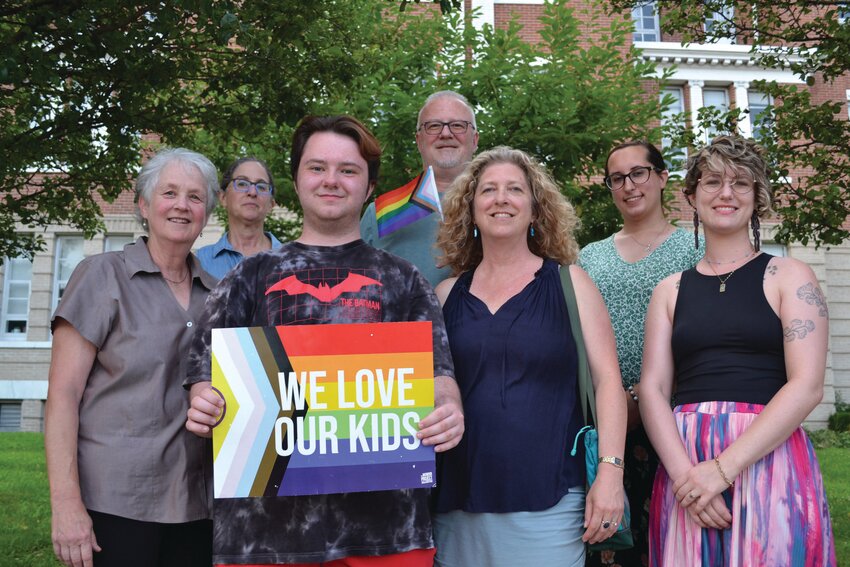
[(149, 176), (450, 94)]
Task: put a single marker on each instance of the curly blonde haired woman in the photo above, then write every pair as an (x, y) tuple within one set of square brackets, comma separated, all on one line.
[(510, 494)]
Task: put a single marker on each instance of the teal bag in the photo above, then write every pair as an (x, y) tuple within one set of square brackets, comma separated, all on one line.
[(623, 538)]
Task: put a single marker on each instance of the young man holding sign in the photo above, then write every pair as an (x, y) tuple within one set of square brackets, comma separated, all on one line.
[(328, 275)]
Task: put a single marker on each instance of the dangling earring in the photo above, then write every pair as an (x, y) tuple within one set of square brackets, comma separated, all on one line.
[(696, 230), (474, 231), (531, 229), (756, 233), (145, 224)]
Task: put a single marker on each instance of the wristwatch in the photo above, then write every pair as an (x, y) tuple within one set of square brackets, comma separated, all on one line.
[(616, 461)]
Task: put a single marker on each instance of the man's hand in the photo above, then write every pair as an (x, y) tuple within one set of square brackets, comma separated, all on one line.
[(443, 427), (205, 407)]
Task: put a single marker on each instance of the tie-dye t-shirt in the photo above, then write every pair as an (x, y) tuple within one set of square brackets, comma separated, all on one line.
[(310, 285)]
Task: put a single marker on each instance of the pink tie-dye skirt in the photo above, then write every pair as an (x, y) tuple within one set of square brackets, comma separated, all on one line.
[(778, 505)]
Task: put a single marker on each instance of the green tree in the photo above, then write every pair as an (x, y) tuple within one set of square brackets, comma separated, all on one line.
[(82, 81), (813, 40), (561, 99)]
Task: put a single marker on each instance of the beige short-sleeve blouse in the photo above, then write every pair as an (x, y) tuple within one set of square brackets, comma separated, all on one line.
[(136, 459)]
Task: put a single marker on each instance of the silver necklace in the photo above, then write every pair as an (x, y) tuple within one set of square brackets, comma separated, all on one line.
[(744, 257), (648, 247)]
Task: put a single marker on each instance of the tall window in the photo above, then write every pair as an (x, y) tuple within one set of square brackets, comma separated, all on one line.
[(759, 103), (718, 99), (116, 242), (69, 253), (843, 12), (673, 118), (719, 20), (645, 21), (16, 298)]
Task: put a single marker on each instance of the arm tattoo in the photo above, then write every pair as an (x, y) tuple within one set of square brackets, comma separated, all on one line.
[(771, 271), (812, 295), (798, 329)]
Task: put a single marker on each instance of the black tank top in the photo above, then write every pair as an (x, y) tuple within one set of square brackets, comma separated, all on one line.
[(727, 346)]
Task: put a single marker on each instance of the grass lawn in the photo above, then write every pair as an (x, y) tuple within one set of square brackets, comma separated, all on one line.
[(25, 503)]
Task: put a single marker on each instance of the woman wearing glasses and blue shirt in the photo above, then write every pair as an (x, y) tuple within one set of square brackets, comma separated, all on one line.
[(626, 267), (247, 193)]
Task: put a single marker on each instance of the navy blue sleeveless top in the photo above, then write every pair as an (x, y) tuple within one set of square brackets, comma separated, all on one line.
[(516, 370), (727, 346)]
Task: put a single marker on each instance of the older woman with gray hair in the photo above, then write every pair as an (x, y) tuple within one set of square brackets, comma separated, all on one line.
[(128, 484)]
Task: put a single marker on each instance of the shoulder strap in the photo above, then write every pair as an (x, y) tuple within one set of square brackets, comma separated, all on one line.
[(587, 397)]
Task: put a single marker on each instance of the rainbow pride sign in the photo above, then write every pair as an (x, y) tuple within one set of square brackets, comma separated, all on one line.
[(321, 409)]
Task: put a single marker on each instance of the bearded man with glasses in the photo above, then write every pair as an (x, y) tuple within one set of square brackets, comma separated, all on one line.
[(247, 194), (447, 138)]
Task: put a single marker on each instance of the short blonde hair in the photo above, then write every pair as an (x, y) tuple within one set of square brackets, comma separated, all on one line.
[(738, 154), (555, 220)]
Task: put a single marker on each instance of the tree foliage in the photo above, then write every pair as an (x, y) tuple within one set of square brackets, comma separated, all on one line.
[(806, 136), (82, 81), (560, 99)]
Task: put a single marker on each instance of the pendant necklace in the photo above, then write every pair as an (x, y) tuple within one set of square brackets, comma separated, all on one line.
[(648, 247), (730, 274)]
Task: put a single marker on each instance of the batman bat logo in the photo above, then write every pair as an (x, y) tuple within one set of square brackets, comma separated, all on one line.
[(323, 292)]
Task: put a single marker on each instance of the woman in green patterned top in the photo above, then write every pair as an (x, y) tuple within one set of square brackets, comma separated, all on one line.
[(626, 267)]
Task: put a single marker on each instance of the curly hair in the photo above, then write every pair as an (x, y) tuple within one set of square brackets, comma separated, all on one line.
[(738, 154), (555, 220)]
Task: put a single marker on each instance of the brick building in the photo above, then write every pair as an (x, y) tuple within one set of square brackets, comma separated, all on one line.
[(706, 75)]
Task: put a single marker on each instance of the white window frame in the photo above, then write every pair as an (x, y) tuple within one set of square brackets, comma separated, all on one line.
[(679, 93), (710, 132), (726, 14), (768, 102), (59, 283), (640, 32), (5, 318)]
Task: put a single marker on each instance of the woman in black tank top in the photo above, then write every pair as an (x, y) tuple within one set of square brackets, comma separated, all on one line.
[(742, 338)]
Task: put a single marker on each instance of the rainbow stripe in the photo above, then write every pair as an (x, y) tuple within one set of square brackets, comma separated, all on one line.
[(407, 204), (371, 448)]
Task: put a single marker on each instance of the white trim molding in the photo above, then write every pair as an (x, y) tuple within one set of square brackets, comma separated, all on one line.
[(714, 64)]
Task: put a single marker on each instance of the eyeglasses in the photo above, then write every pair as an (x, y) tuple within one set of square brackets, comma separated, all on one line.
[(638, 175), (241, 185), (713, 183), (435, 127)]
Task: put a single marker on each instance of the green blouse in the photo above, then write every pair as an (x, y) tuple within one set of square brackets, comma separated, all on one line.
[(626, 288)]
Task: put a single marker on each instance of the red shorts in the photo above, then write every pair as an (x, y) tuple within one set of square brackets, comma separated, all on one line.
[(413, 558)]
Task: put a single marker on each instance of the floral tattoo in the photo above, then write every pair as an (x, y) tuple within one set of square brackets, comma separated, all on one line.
[(798, 329), (812, 295)]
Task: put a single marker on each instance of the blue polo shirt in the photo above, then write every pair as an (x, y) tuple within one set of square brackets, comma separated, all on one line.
[(219, 258)]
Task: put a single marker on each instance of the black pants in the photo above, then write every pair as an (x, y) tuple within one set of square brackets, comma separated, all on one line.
[(131, 543)]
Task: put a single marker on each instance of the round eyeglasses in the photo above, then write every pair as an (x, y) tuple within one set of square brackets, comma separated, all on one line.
[(241, 185), (638, 175), (435, 127), (713, 183)]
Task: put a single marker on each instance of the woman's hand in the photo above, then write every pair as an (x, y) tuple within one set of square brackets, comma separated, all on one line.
[(205, 407), (699, 491), (73, 537), (604, 504)]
